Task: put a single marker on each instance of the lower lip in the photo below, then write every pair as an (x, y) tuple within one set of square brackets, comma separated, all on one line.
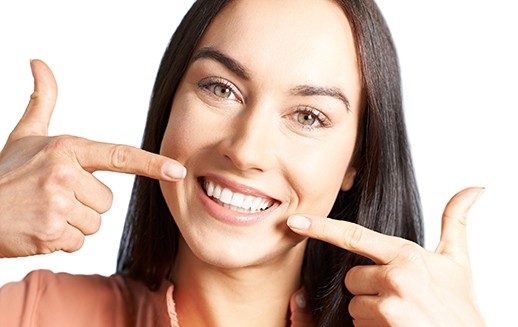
[(230, 216)]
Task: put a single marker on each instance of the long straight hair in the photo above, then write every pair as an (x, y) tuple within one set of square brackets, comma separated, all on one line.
[(384, 196)]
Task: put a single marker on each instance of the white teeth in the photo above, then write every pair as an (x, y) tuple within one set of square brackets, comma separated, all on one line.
[(217, 191), (236, 201), (247, 203), (255, 204), (226, 196), (210, 189)]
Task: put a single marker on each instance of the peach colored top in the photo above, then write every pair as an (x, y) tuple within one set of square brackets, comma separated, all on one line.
[(44, 298)]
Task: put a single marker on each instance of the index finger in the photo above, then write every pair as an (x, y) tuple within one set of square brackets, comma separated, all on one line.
[(380, 248), (93, 156)]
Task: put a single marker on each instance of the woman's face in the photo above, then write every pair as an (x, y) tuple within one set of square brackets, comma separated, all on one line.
[(265, 120)]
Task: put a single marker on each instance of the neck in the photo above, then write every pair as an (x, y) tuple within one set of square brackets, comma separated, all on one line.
[(206, 295)]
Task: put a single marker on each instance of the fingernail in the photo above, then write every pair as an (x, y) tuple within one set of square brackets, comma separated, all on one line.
[(174, 171), (300, 300), (299, 222)]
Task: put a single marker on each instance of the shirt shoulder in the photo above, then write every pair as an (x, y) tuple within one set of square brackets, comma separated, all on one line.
[(44, 298)]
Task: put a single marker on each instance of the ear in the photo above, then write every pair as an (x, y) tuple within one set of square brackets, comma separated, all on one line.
[(348, 181)]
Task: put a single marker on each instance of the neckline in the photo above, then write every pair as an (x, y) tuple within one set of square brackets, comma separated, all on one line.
[(298, 316)]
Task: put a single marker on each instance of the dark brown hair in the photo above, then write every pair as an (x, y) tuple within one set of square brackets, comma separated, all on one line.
[(384, 196)]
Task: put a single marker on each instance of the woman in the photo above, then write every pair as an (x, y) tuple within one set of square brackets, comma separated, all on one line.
[(269, 126)]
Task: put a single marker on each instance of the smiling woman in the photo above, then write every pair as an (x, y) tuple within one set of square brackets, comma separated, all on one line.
[(250, 141), (277, 131)]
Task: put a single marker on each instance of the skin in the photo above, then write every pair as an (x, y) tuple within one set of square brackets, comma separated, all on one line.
[(252, 136), (50, 199), (408, 286), (237, 279)]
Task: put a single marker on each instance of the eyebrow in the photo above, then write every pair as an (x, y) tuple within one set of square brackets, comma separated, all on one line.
[(230, 63), (309, 90), (238, 69)]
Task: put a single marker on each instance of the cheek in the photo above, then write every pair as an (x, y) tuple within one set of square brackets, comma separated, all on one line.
[(318, 176), (186, 132)]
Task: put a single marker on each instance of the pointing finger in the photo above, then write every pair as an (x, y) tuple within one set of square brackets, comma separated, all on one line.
[(36, 119), (128, 159), (380, 248)]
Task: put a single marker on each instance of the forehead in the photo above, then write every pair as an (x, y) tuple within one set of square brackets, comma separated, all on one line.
[(301, 39)]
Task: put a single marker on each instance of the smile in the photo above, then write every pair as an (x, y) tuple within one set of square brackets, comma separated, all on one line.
[(244, 203)]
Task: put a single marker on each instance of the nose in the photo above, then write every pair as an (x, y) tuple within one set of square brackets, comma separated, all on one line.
[(249, 143)]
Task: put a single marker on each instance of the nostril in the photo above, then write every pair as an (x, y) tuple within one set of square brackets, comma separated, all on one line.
[(247, 148)]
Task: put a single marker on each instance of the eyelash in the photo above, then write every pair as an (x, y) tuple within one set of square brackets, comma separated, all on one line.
[(209, 83), (319, 116)]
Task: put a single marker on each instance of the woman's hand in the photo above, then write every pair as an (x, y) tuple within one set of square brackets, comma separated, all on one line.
[(49, 199), (408, 285)]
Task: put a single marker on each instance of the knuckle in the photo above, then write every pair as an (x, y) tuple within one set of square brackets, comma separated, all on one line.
[(456, 212), (75, 244), (107, 201), (153, 164), (34, 95), (103, 199), (50, 231), (51, 225), (350, 277), (97, 223), (354, 306), (60, 144), (119, 157), (53, 206), (411, 252), (393, 279), (352, 238), (42, 96), (94, 225), (58, 168), (58, 173), (44, 250), (320, 227)]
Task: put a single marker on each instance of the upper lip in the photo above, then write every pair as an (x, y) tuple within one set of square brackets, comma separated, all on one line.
[(239, 188)]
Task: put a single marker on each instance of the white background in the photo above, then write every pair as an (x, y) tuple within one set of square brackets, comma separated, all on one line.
[(459, 65)]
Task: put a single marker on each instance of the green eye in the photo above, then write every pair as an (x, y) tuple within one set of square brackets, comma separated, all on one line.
[(222, 91), (306, 119)]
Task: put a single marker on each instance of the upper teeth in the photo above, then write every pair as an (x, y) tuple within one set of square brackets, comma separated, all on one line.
[(236, 201)]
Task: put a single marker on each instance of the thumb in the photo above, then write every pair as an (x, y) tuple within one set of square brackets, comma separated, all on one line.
[(453, 235), (36, 119)]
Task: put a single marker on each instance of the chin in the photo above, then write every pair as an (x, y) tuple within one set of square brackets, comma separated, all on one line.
[(225, 251)]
